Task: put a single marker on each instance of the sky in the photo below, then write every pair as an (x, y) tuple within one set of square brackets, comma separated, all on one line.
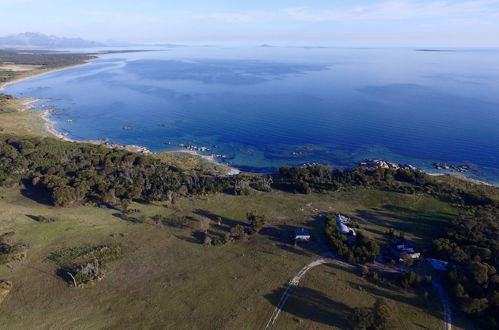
[(425, 23)]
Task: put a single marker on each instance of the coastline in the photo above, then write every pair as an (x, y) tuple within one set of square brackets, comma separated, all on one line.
[(41, 73), (232, 170), (49, 124), (49, 127), (462, 177)]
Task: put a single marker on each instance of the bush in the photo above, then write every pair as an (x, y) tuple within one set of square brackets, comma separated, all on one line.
[(256, 222), (410, 279), (377, 317), (10, 249)]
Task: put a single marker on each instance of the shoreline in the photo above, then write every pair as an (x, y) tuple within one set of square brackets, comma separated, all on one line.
[(232, 170), (50, 127), (49, 124), (41, 73), (462, 177)]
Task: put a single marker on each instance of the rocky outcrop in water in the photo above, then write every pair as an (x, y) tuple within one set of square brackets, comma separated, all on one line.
[(463, 168)]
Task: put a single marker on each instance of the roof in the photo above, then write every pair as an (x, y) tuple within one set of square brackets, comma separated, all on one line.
[(302, 232), (343, 228), (342, 219), (438, 264)]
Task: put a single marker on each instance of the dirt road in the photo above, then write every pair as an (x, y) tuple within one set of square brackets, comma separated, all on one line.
[(330, 258)]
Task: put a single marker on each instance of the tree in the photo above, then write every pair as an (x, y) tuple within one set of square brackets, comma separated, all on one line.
[(363, 318), (377, 317), (256, 221)]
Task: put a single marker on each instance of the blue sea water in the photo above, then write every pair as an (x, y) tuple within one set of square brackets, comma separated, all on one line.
[(266, 107)]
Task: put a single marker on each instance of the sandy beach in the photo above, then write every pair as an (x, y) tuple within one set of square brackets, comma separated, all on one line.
[(49, 125), (40, 73)]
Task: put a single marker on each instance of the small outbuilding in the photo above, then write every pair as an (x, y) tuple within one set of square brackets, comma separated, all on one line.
[(301, 235), (401, 250)]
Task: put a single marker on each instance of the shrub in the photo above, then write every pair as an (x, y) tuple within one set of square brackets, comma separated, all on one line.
[(256, 222)]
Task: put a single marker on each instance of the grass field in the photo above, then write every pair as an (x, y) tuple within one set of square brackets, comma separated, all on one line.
[(329, 292), (23, 123), (167, 279)]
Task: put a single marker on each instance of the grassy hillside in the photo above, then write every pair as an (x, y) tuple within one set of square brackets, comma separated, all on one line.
[(167, 278), (329, 292)]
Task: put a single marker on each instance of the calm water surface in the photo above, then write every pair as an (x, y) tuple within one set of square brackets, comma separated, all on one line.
[(267, 107)]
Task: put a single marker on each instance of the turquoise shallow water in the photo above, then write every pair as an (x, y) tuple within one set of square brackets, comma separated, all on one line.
[(267, 107)]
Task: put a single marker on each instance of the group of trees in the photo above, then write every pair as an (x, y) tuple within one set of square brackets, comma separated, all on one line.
[(357, 250), (472, 246), (238, 232), (39, 59), (70, 173), (320, 178)]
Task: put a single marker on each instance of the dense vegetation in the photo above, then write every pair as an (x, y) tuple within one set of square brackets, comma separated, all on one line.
[(46, 59), (472, 245), (68, 173), (39, 59), (320, 178)]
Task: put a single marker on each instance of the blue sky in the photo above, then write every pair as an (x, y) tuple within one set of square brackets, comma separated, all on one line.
[(472, 23)]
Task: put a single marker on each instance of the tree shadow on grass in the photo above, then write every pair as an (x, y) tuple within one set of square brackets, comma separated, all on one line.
[(38, 195), (421, 227), (227, 223), (33, 217), (292, 249), (387, 291), (352, 270), (196, 237), (127, 218), (313, 305)]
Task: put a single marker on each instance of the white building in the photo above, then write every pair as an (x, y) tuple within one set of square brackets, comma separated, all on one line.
[(342, 222)]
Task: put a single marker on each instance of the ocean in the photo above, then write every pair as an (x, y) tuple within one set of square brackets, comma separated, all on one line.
[(265, 107)]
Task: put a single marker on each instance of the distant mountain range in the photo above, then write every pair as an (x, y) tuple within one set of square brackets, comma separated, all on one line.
[(39, 40), (35, 40)]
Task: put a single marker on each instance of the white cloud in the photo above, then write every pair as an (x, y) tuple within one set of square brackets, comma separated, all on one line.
[(399, 10)]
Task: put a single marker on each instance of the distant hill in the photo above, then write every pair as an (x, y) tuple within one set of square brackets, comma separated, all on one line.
[(39, 40)]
